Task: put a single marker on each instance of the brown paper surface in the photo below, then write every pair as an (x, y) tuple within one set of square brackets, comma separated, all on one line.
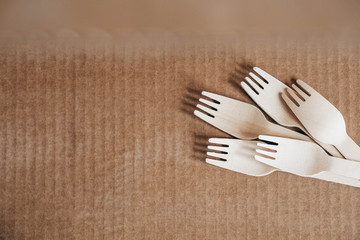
[(98, 141), (97, 135)]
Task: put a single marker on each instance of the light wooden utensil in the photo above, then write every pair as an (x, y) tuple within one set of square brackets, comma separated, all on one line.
[(238, 155), (239, 119), (321, 119), (267, 95), (303, 158)]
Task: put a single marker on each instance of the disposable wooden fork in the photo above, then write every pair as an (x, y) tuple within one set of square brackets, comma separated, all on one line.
[(303, 158), (321, 119), (239, 119), (267, 95), (236, 155), (239, 156)]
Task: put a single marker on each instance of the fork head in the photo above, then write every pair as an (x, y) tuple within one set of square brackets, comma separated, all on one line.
[(290, 155), (239, 119), (320, 118), (268, 151), (236, 155), (260, 83), (265, 92), (211, 107), (301, 93), (212, 112)]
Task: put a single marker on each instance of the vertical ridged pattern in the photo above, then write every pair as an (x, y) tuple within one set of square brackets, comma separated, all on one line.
[(149, 168), (99, 141), (171, 71), (18, 139), (29, 143), (90, 106), (80, 133), (119, 119), (94, 145), (37, 171), (4, 68), (109, 145), (9, 177), (128, 145), (6, 160)]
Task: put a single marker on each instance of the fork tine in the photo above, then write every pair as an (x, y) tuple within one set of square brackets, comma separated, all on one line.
[(217, 163), (267, 161), (217, 155), (289, 102), (204, 117), (217, 148), (257, 79), (253, 84), (214, 96), (268, 146), (305, 86), (264, 74), (207, 102), (206, 109), (299, 91), (268, 138), (248, 90), (294, 96), (266, 153), (222, 141)]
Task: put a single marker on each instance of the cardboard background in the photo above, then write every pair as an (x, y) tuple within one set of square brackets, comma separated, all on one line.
[(97, 140)]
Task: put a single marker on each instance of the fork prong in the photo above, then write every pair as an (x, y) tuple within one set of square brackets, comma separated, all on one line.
[(300, 91), (268, 146), (266, 153), (206, 109), (267, 161), (217, 163), (268, 138), (213, 96), (204, 117), (296, 98), (207, 102), (264, 74), (217, 155), (222, 141), (306, 87), (253, 84), (217, 148), (248, 90), (257, 79), (289, 102)]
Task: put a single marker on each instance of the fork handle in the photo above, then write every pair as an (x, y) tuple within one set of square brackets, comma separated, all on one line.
[(349, 148), (330, 149), (281, 131), (343, 167)]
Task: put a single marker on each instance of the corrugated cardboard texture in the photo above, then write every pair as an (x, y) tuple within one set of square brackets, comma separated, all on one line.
[(97, 142)]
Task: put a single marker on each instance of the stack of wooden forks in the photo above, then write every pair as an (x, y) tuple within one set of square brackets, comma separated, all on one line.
[(307, 136)]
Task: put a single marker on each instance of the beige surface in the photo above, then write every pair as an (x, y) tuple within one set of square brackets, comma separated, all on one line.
[(97, 142)]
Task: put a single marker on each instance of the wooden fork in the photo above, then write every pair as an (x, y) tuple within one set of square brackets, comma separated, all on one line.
[(303, 158), (321, 119), (266, 93), (239, 156), (239, 119)]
